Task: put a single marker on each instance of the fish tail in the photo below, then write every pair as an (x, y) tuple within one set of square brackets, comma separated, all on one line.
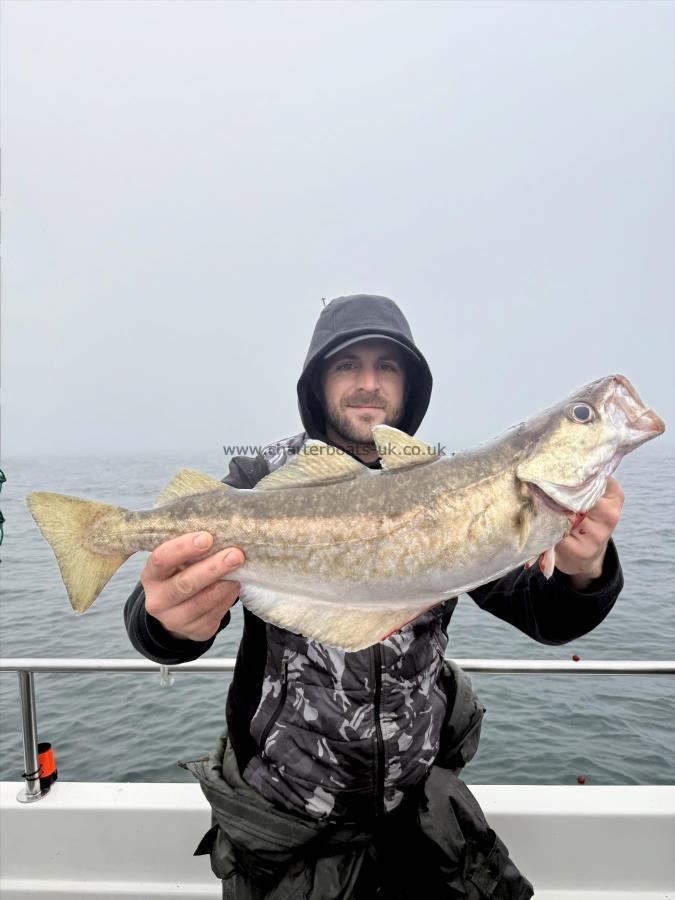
[(66, 524)]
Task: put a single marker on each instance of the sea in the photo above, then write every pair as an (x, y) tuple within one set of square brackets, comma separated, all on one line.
[(538, 729)]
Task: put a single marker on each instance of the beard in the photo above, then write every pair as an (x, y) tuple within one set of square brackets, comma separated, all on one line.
[(356, 432)]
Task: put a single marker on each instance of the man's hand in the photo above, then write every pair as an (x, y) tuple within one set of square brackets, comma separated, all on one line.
[(184, 591), (581, 554)]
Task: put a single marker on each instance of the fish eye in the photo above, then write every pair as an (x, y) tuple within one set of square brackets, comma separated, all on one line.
[(581, 412)]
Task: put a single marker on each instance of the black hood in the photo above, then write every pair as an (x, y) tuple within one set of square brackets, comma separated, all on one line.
[(350, 317)]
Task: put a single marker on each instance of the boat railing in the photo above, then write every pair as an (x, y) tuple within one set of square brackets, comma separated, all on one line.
[(27, 667)]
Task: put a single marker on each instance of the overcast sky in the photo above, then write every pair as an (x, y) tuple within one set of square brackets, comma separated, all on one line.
[(184, 181)]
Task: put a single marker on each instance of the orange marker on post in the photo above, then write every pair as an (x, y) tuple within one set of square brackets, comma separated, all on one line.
[(47, 766)]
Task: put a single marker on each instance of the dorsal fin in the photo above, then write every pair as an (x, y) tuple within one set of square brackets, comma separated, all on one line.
[(398, 450), (187, 482), (315, 463)]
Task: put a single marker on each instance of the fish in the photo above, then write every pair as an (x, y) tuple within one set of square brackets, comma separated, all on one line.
[(348, 555)]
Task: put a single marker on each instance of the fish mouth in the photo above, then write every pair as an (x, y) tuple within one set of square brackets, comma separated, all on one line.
[(645, 427), (641, 423)]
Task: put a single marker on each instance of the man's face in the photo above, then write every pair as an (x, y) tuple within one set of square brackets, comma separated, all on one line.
[(363, 385)]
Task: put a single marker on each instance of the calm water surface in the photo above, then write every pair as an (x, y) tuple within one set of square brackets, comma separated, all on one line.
[(538, 729)]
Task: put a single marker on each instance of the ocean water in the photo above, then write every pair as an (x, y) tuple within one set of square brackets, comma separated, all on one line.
[(538, 729)]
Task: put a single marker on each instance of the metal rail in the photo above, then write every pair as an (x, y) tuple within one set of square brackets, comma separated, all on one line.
[(26, 667), (226, 664)]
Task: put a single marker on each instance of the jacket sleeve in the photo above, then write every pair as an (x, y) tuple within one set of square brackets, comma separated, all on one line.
[(149, 637), (146, 633), (552, 611)]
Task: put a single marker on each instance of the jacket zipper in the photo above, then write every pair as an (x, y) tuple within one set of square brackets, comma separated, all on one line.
[(278, 707), (376, 658)]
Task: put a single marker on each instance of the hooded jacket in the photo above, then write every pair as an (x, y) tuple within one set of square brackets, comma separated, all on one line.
[(351, 317), (335, 735)]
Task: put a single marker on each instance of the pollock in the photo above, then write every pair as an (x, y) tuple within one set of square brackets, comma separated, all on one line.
[(346, 554)]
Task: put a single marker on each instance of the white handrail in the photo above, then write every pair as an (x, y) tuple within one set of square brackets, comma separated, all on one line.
[(211, 666), (27, 667)]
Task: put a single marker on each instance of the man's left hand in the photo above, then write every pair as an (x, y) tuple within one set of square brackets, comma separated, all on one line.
[(581, 554)]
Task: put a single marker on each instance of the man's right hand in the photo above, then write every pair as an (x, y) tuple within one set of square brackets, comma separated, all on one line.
[(185, 595)]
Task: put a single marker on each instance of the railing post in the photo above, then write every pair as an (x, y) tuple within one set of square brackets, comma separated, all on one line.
[(32, 791)]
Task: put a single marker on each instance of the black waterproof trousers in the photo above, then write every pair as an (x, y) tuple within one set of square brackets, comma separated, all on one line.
[(436, 844)]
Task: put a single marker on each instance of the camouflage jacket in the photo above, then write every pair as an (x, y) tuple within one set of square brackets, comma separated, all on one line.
[(336, 735)]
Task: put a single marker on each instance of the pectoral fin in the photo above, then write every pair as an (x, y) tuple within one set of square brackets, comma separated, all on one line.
[(523, 523)]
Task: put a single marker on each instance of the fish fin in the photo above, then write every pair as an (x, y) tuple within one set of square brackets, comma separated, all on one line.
[(547, 562), (65, 523), (523, 523), (346, 626), (398, 450), (185, 483), (315, 463)]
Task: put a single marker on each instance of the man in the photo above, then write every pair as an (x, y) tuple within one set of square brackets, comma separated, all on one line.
[(338, 775)]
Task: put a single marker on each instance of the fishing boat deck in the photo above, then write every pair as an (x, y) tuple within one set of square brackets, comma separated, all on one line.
[(118, 841)]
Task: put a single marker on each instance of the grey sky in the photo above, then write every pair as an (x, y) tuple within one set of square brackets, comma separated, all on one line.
[(183, 182)]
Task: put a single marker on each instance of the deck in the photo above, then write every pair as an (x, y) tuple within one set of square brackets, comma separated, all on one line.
[(121, 841)]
